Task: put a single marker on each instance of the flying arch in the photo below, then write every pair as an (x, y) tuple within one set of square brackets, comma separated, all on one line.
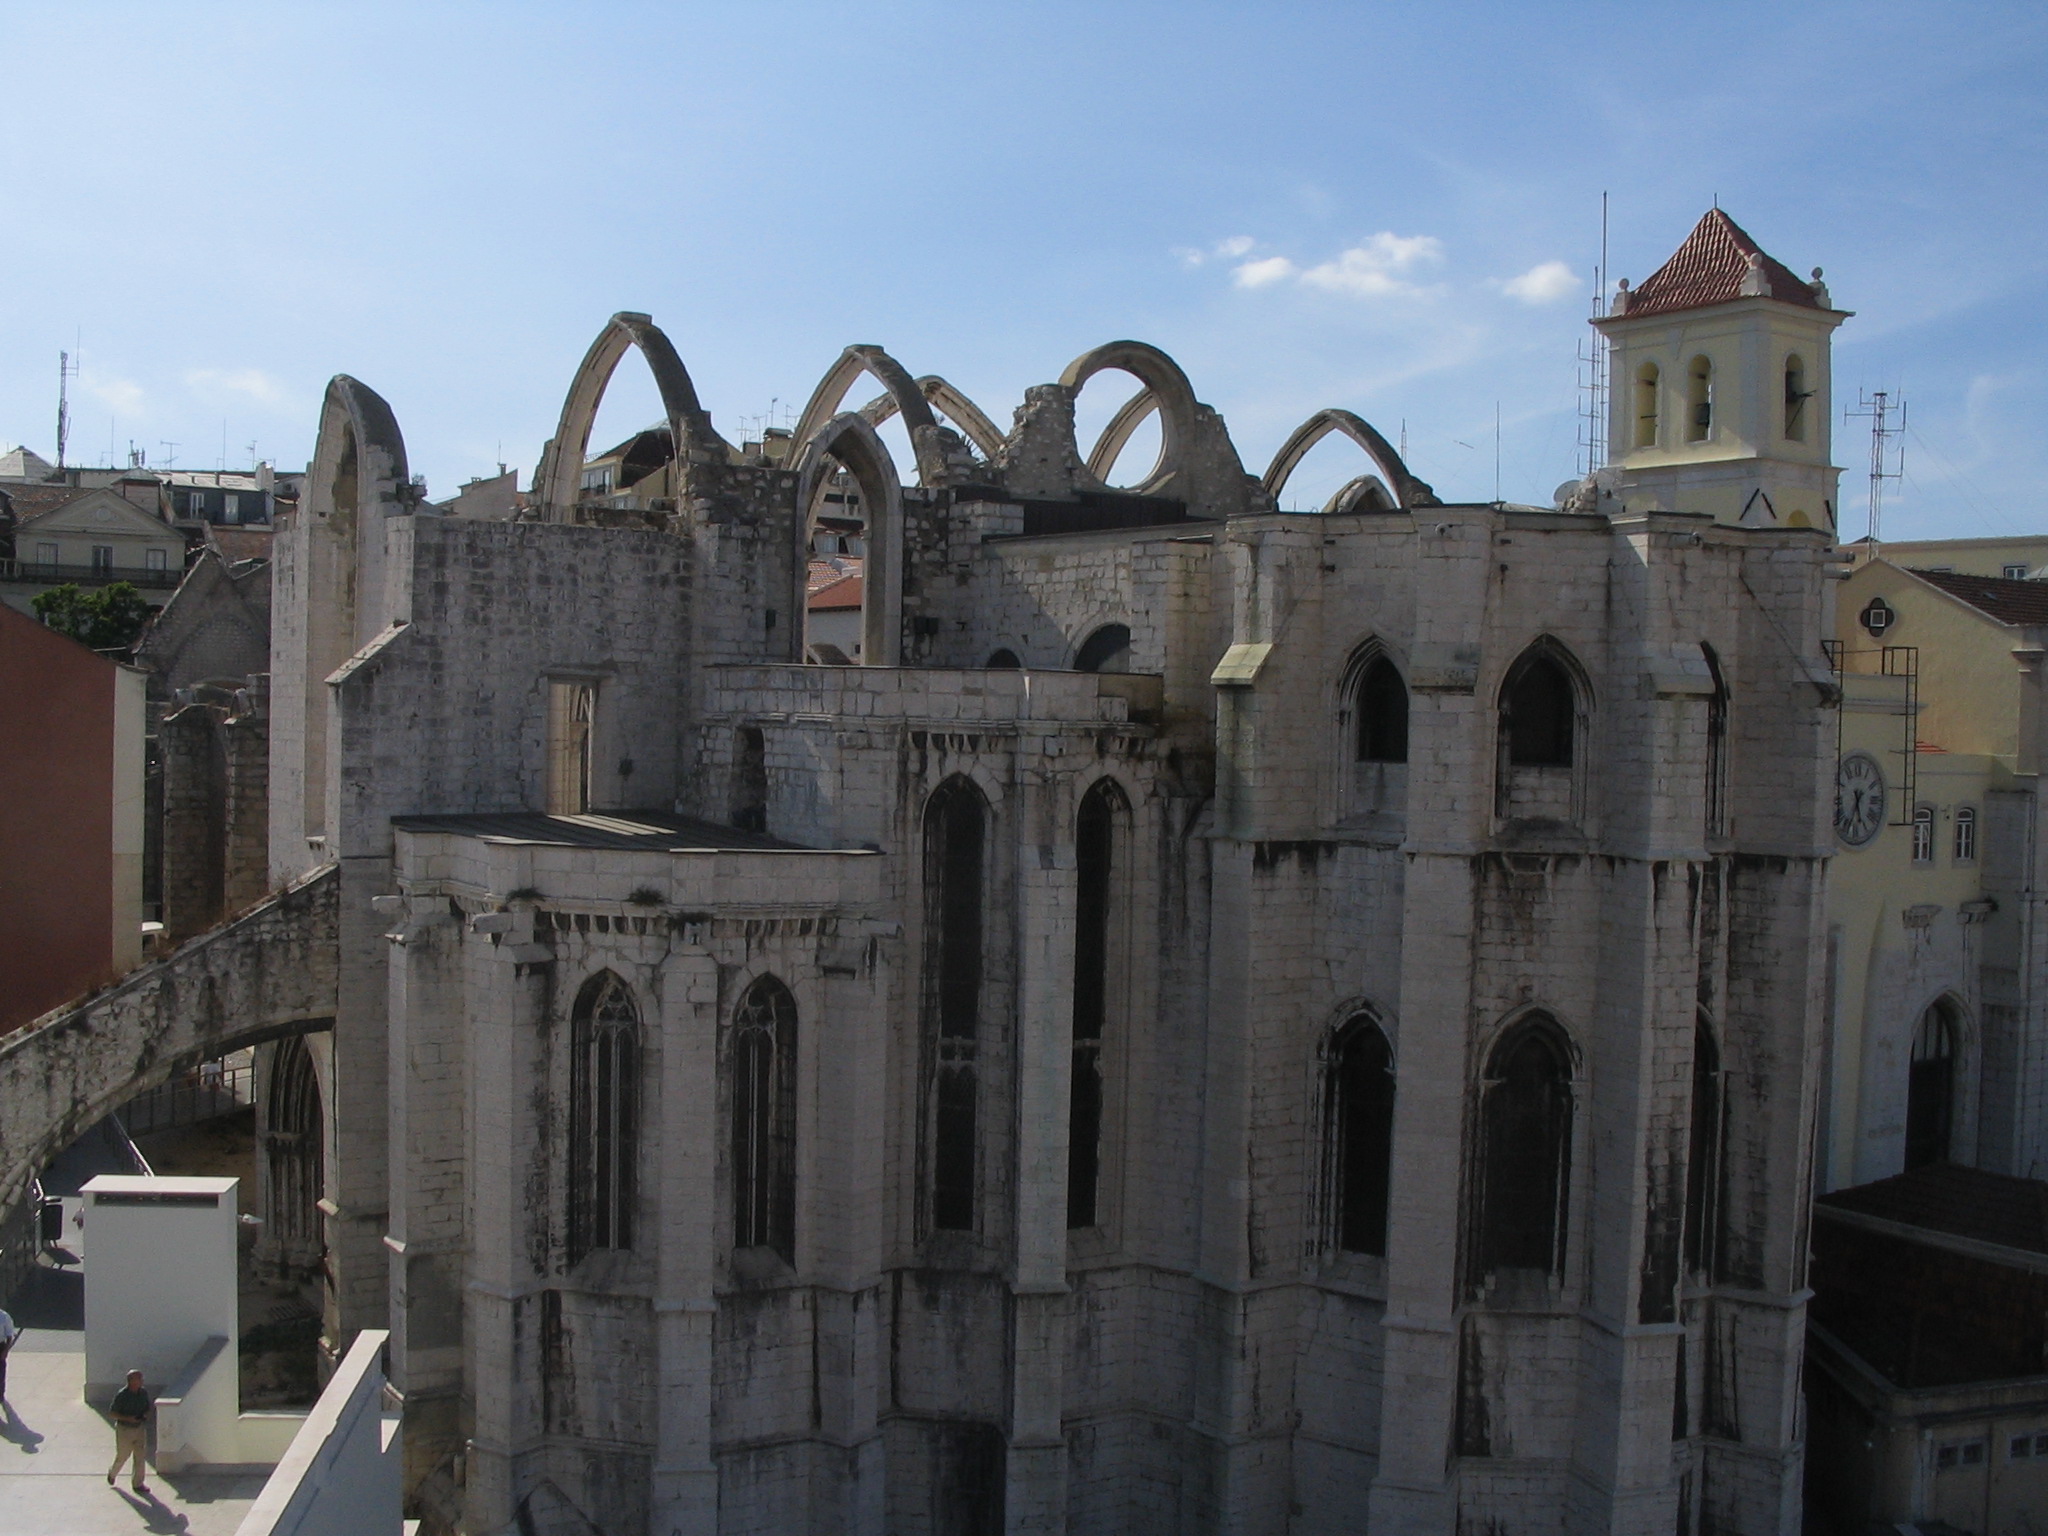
[(1166, 390), (1406, 490), (950, 403), (561, 468), (909, 400)]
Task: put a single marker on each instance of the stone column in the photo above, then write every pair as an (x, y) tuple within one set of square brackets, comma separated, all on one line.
[(509, 987), (685, 1493), (1035, 1492)]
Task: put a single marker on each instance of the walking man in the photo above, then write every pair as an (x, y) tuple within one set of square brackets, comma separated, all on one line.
[(8, 1334), (130, 1411)]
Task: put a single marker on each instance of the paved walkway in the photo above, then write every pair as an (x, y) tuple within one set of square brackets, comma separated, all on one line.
[(54, 1448)]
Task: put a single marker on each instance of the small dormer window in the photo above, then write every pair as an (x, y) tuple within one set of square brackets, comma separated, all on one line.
[(1796, 396), (1699, 401), (1647, 382)]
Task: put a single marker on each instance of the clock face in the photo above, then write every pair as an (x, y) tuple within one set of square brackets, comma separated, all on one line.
[(1859, 799)]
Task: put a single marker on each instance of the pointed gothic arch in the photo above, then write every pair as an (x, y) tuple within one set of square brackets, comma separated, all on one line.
[(763, 1171), (1405, 489), (824, 407), (560, 476), (948, 402), (1165, 389), (604, 1116), (850, 441)]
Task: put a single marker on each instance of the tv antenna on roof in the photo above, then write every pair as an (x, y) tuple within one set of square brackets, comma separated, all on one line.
[(1593, 369), (1879, 406)]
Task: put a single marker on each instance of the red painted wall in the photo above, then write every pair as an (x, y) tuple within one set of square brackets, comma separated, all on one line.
[(57, 703)]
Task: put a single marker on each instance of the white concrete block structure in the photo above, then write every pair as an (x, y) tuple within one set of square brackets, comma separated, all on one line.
[(1231, 1020)]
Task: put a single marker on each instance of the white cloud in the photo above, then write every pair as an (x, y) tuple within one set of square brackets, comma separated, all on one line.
[(249, 383), (1374, 269), (1235, 246), (1544, 283), (117, 395), (1264, 272)]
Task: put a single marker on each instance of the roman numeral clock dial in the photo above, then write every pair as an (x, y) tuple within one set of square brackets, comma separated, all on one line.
[(1859, 799)]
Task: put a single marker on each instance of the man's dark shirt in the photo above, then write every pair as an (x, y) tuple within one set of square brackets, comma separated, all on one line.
[(130, 1403)]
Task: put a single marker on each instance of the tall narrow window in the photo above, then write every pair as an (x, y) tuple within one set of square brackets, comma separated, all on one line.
[(764, 1119), (295, 1147), (103, 559), (604, 1106), (572, 711), (1699, 401), (1703, 1155), (1525, 1155), (1382, 713), (1095, 918), (1931, 1088), (954, 833), (1966, 834), (1717, 748), (750, 780), (1358, 1135), (1923, 834), (1649, 381), (1538, 711), (1796, 396)]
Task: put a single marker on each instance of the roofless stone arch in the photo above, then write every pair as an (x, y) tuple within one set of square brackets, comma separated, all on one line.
[(950, 403), (1406, 489), (909, 399), (560, 476), (1166, 390), (851, 441)]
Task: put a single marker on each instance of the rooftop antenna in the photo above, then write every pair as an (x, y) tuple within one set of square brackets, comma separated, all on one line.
[(171, 456), (1496, 451), (67, 370), (1593, 370), (221, 467), (1879, 407), (252, 455)]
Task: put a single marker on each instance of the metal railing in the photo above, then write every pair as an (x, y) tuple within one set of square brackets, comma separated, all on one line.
[(210, 1089), (86, 575)]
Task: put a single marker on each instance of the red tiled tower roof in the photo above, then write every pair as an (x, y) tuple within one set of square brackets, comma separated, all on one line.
[(1713, 267)]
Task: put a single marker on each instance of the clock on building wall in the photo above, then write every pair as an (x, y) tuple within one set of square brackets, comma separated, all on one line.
[(1859, 799)]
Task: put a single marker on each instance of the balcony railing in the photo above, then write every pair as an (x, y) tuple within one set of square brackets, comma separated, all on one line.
[(86, 575)]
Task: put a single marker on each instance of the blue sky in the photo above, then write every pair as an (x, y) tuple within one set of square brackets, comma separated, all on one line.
[(1393, 208)]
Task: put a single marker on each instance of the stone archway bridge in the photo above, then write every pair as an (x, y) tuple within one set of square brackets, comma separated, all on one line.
[(268, 973)]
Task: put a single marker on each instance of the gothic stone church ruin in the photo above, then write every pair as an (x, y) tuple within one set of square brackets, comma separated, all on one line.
[(1225, 1020)]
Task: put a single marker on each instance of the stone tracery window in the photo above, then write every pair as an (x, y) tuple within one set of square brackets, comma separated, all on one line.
[(955, 832), (1382, 706), (604, 1109), (764, 1119), (1704, 1154), (1538, 710), (1524, 1166), (1358, 1135)]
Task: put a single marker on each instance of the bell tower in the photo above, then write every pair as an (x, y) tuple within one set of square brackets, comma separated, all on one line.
[(1719, 399)]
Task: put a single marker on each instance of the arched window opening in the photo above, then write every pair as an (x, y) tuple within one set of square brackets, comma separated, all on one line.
[(1704, 1159), (1004, 660), (955, 830), (1717, 748), (604, 1107), (294, 1145), (835, 587), (572, 717), (1358, 1136), (1096, 920), (1538, 713), (750, 780), (1931, 1088), (1649, 383), (1966, 834), (1107, 650), (1699, 400), (1382, 713), (764, 1119), (1796, 396), (1525, 1156), (1923, 834)]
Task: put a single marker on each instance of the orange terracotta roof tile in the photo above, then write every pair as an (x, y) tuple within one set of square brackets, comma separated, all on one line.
[(1712, 267)]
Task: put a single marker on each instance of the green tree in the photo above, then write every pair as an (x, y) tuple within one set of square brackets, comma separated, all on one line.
[(110, 619)]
